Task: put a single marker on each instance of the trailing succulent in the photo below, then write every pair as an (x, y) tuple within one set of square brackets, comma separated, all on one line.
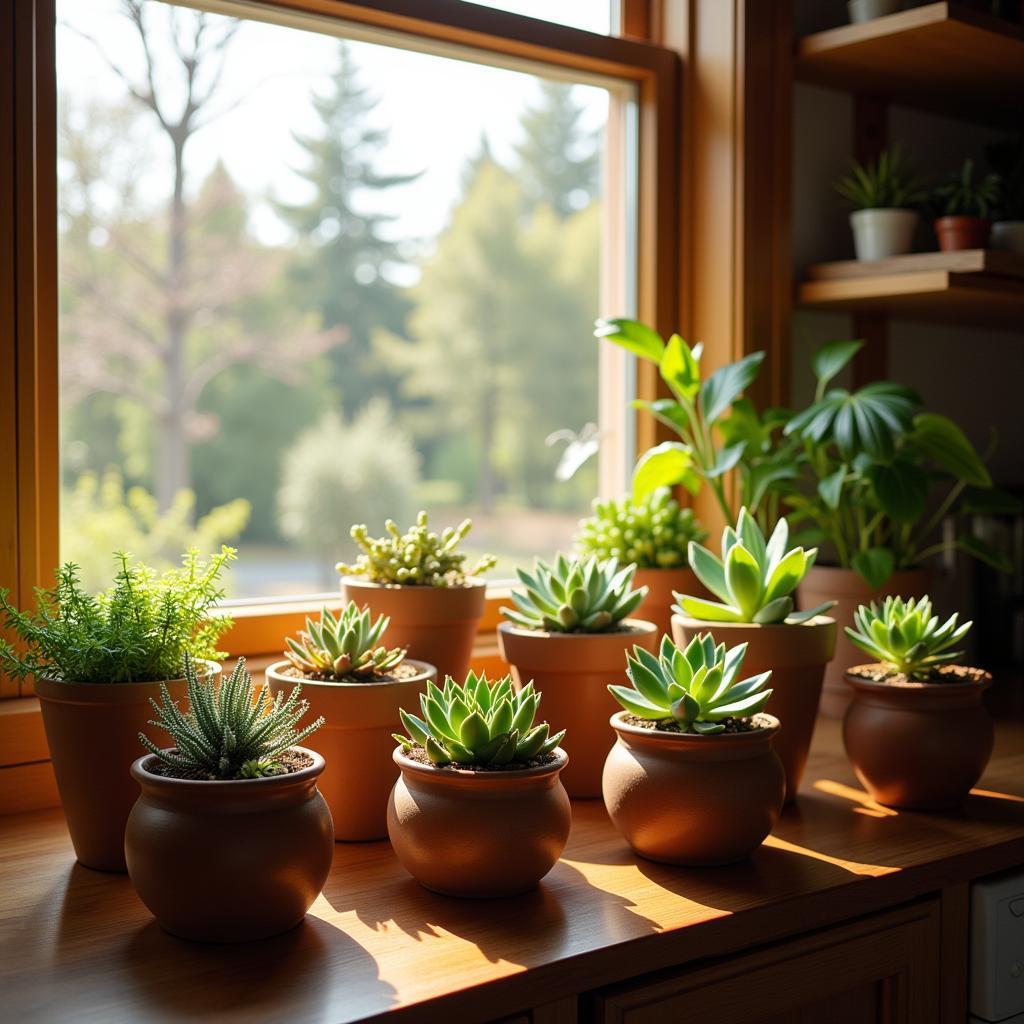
[(754, 578), (696, 688), (907, 636), (230, 732), (478, 724), (344, 647), (418, 557), (573, 596), (652, 532)]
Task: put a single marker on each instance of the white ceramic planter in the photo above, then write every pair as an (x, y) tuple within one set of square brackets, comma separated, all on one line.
[(1008, 235), (879, 234), (868, 10)]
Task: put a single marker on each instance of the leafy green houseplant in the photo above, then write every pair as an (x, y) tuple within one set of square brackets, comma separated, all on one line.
[(234, 793), (964, 204), (475, 770)]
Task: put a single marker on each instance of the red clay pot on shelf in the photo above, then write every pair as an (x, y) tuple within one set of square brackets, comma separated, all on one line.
[(656, 607), (956, 233)]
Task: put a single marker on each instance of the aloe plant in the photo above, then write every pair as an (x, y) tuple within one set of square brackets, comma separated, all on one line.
[(886, 183), (346, 646)]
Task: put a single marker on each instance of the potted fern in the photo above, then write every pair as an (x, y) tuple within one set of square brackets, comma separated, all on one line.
[(964, 205), (479, 809), (692, 778), (229, 840), (97, 662), (419, 581), (358, 684), (569, 633)]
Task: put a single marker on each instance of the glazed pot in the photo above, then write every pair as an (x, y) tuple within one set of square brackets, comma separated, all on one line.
[(850, 590), (478, 833), (229, 861), (572, 672), (356, 742), (661, 584), (797, 656), (92, 730), (860, 11), (1008, 235), (879, 234), (920, 746), (683, 798), (437, 625), (956, 233)]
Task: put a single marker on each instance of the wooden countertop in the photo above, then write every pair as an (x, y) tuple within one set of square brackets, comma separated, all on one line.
[(78, 945)]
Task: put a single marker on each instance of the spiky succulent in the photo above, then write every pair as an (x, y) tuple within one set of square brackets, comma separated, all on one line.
[(652, 533), (573, 596), (344, 647), (417, 557), (479, 723), (907, 636), (695, 688), (754, 578), (230, 731)]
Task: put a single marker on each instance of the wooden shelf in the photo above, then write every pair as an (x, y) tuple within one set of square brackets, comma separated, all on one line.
[(942, 57)]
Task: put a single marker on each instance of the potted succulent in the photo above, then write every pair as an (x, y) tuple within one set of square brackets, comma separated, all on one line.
[(97, 662), (652, 534), (418, 580), (479, 809), (230, 839), (754, 581), (860, 11), (916, 732), (964, 205), (883, 195), (1007, 160), (358, 685), (692, 778), (569, 633)]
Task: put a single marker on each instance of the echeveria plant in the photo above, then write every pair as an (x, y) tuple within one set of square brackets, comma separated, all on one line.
[(344, 646)]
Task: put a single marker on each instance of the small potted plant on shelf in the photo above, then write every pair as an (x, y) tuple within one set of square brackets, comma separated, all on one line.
[(418, 580), (1007, 160), (754, 581), (230, 840), (692, 778), (479, 809), (569, 633), (653, 534), (860, 11), (963, 206), (97, 662), (883, 195), (916, 732), (358, 684)]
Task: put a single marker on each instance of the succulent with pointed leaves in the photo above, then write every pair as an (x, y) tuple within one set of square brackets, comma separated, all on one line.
[(343, 647)]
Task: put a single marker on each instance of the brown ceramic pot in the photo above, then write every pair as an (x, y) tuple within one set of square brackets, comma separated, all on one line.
[(692, 799), (356, 742), (797, 656), (955, 233), (437, 625), (572, 672), (92, 730), (656, 607), (849, 590), (920, 746), (478, 834), (229, 861)]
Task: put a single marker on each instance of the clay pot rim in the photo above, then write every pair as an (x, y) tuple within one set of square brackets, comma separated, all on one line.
[(543, 634), (915, 686), (141, 774), (696, 739), (427, 671), (958, 218), (462, 774), (213, 668), (818, 622), (469, 583)]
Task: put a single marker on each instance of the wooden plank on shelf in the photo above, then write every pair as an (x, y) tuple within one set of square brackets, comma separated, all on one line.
[(966, 261), (27, 787)]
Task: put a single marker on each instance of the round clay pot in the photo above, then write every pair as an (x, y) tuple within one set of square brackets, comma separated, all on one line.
[(881, 233), (797, 656), (437, 625), (920, 746), (955, 233), (572, 672), (1008, 235), (661, 584), (849, 590), (692, 799), (356, 742), (860, 11), (478, 833), (229, 861), (92, 730)]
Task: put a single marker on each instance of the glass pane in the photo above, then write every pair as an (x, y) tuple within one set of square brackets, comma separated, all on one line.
[(592, 15), (308, 282)]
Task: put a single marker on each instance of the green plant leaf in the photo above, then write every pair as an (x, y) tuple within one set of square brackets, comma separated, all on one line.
[(708, 611), (708, 569), (875, 566), (636, 704), (679, 369), (633, 336), (664, 465), (727, 383), (901, 489), (726, 458), (987, 553), (831, 487), (831, 358), (945, 443), (798, 618), (743, 578)]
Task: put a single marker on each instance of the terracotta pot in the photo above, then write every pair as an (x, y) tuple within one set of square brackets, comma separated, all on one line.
[(478, 834), (849, 590), (691, 799), (92, 730), (797, 656), (955, 233), (920, 746), (656, 607), (229, 861), (356, 742), (572, 671), (437, 625)]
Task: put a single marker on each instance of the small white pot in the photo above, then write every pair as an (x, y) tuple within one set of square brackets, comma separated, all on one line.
[(1008, 235), (878, 234), (868, 10)]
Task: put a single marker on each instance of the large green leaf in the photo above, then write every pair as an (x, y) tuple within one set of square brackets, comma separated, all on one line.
[(667, 410), (633, 336), (664, 465), (727, 383), (901, 489), (679, 369), (743, 578), (945, 443), (831, 488), (726, 458), (832, 357), (875, 566)]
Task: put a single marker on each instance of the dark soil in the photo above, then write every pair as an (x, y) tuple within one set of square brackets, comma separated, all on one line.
[(419, 755), (880, 673), (290, 760), (731, 725), (401, 674)]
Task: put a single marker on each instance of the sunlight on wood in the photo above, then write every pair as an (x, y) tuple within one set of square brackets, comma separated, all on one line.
[(868, 806), (854, 867), (997, 796)]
